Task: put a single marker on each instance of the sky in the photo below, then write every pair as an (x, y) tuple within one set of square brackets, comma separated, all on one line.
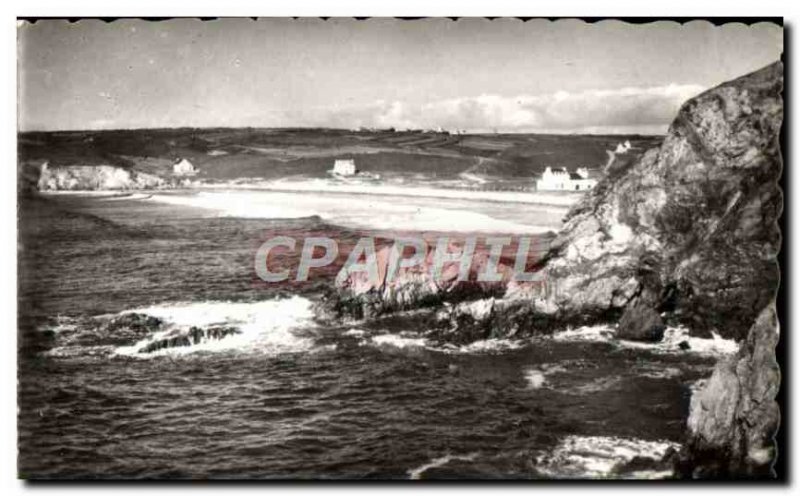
[(475, 75)]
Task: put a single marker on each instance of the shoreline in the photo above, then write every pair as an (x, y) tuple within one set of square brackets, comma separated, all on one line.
[(553, 199)]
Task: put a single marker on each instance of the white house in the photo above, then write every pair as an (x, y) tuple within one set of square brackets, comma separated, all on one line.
[(563, 180), (344, 167), (623, 147), (183, 167)]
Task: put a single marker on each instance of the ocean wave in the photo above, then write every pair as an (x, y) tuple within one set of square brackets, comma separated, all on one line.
[(398, 341), (416, 473), (540, 377), (599, 333), (605, 457), (492, 345), (537, 377), (266, 326), (675, 340), (407, 340)]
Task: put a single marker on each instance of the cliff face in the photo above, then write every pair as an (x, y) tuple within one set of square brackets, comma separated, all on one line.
[(734, 418), (95, 177), (684, 235), (689, 235), (689, 231)]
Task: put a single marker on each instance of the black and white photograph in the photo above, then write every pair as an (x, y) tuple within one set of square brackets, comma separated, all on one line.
[(392, 249)]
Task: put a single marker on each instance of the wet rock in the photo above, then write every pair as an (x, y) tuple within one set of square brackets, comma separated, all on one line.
[(733, 419), (641, 322), (357, 296), (684, 345), (192, 336), (121, 330)]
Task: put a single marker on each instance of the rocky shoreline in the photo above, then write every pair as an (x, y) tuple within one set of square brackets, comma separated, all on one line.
[(687, 235)]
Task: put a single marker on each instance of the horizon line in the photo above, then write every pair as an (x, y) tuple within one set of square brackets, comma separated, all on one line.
[(349, 130)]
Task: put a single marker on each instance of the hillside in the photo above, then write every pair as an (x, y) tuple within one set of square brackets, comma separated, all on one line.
[(227, 154)]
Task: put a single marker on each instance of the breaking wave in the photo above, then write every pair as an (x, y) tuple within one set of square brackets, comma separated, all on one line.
[(410, 341), (675, 340), (538, 377), (416, 473), (397, 341), (265, 326), (606, 457)]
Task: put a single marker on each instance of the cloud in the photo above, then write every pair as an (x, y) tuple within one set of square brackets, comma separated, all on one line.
[(625, 110)]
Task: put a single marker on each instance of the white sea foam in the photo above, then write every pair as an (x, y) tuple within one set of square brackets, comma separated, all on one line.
[(266, 326), (537, 377), (674, 336), (373, 212), (492, 345), (413, 341), (660, 372), (416, 473), (598, 333), (670, 343), (398, 341), (599, 456)]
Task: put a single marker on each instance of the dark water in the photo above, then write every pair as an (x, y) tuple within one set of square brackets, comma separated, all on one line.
[(314, 402)]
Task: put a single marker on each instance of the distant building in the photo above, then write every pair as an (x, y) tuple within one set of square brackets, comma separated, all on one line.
[(623, 147), (183, 167), (563, 180), (344, 168)]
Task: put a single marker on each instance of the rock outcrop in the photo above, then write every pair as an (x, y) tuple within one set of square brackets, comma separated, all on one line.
[(690, 230), (95, 177), (358, 295), (686, 234), (194, 335), (734, 418)]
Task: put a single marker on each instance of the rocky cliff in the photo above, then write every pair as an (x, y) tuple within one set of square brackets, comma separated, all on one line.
[(734, 418), (685, 235), (688, 234), (95, 177)]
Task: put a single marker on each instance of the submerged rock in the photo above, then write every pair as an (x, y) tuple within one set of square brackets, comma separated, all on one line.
[(733, 419), (195, 335)]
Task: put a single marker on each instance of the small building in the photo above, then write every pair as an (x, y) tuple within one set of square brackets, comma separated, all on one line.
[(344, 167), (623, 147), (563, 180), (183, 167)]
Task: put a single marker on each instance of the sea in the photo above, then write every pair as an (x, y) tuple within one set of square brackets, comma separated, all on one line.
[(287, 396)]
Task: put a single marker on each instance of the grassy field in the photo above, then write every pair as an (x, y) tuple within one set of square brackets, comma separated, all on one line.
[(224, 154)]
